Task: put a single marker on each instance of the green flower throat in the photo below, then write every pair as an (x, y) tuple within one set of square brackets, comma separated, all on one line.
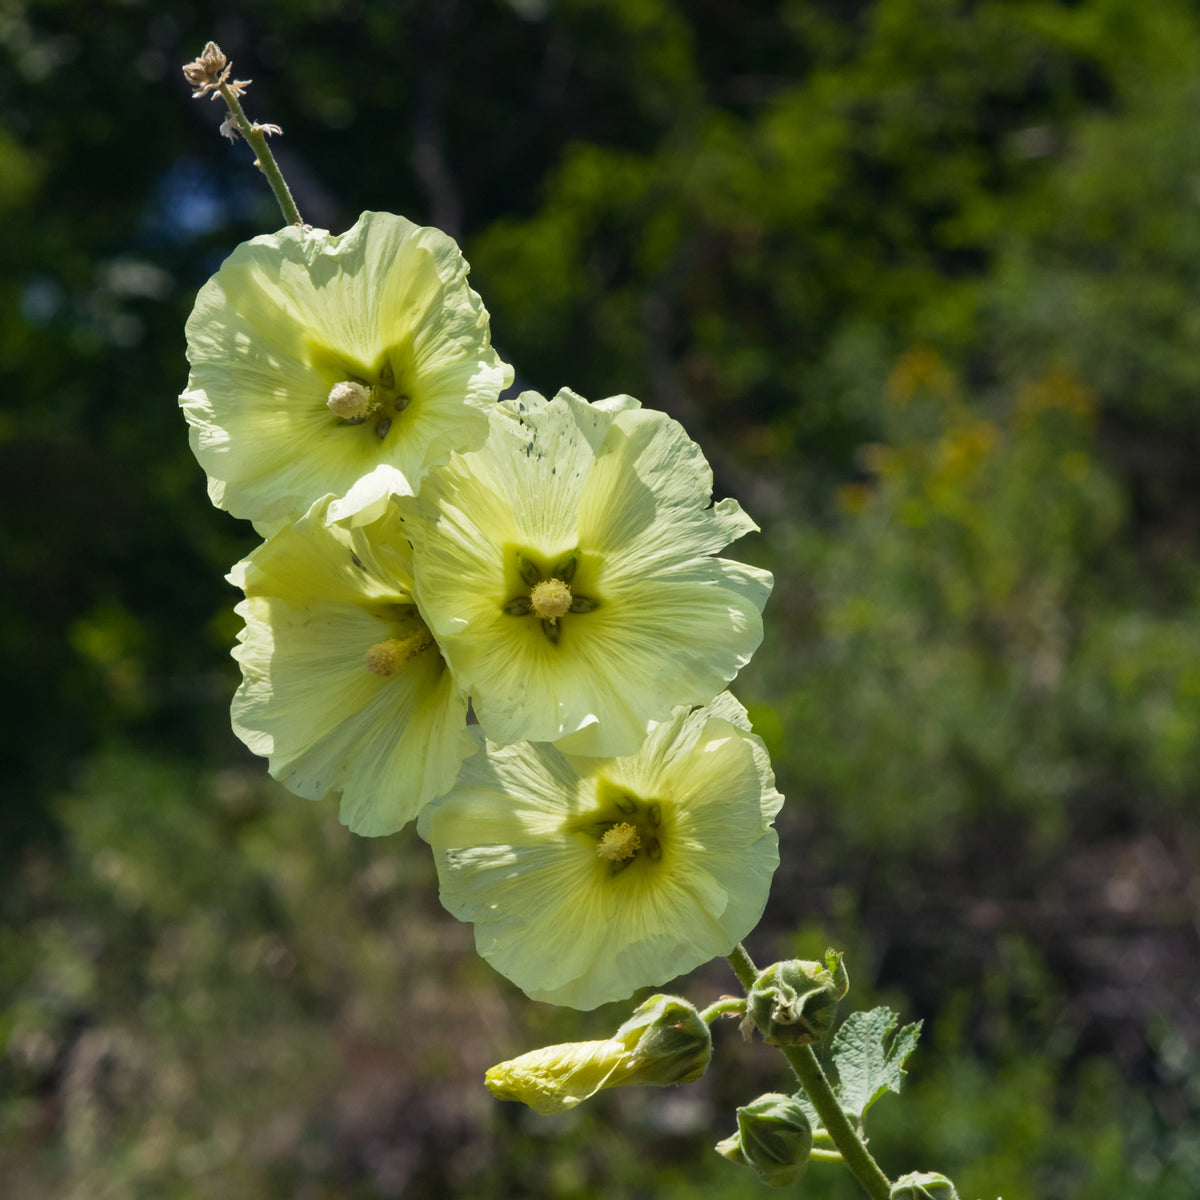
[(547, 593), (624, 828), (374, 399)]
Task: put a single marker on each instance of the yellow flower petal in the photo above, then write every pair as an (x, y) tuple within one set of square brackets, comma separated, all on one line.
[(321, 599), (519, 845), (615, 499), (292, 316)]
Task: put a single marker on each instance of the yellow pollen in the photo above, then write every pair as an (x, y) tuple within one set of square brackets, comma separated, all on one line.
[(349, 400), (551, 599), (619, 843), (386, 658)]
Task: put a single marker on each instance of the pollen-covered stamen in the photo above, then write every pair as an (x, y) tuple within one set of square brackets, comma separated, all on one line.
[(550, 599), (619, 843), (386, 658), (350, 400)]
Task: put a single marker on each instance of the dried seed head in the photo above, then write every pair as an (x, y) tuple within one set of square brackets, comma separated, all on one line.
[(210, 72)]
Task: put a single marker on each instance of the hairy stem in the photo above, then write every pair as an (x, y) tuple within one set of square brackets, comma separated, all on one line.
[(841, 1133), (743, 966), (264, 159), (726, 1006)]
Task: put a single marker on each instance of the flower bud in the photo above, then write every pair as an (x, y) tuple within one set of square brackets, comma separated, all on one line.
[(794, 1002), (923, 1185), (774, 1137), (668, 1040), (665, 1041)]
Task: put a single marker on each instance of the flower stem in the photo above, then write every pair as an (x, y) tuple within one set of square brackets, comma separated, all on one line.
[(726, 1006), (743, 966), (819, 1155), (854, 1153), (264, 159), (813, 1080)]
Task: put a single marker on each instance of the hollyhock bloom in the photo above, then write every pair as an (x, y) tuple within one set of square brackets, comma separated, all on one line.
[(566, 569), (344, 689), (587, 878), (346, 365)]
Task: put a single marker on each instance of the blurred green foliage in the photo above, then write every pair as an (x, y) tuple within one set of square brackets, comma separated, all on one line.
[(920, 276)]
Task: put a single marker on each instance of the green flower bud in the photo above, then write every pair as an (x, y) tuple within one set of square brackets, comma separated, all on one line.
[(794, 1002), (923, 1185), (774, 1137), (665, 1041), (669, 1041)]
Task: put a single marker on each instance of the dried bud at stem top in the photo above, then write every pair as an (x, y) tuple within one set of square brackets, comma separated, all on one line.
[(209, 76), (210, 71)]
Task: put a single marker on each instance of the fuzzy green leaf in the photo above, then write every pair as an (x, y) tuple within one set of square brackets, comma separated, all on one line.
[(868, 1060)]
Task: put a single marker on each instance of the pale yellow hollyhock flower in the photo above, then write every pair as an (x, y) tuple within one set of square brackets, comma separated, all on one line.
[(664, 1042), (567, 570), (346, 365), (587, 878), (343, 686)]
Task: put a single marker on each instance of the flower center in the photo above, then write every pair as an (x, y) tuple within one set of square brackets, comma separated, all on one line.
[(624, 828), (550, 599), (353, 401), (349, 400), (387, 657), (545, 593), (619, 842)]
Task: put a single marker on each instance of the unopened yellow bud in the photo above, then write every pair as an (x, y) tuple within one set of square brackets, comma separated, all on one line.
[(665, 1041)]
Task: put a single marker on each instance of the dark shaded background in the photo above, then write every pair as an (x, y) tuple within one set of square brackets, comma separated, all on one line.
[(921, 278)]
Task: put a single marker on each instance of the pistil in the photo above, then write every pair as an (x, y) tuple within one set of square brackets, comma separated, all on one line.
[(550, 599), (387, 657), (351, 401), (619, 843)]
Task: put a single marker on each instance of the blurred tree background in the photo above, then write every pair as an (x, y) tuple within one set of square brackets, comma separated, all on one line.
[(923, 278)]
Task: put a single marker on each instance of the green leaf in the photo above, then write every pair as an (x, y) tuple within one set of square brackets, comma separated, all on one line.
[(868, 1059)]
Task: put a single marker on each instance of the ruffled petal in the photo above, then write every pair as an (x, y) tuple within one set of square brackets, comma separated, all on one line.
[(621, 495), (320, 600), (291, 314), (521, 852)]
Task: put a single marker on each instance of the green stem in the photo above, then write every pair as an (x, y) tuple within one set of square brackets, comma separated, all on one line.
[(854, 1153), (819, 1155), (265, 160), (812, 1079), (719, 1008), (743, 967)]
